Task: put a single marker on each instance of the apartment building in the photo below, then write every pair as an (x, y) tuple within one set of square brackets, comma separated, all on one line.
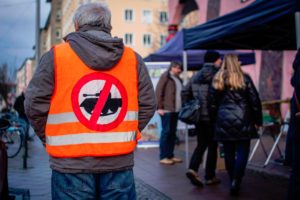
[(56, 21), (24, 74), (45, 37), (141, 23)]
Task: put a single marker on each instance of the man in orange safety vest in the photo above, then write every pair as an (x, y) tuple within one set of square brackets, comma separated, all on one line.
[(88, 101)]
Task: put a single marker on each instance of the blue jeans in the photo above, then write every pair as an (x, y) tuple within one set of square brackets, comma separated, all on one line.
[(104, 186), (168, 135), (236, 158)]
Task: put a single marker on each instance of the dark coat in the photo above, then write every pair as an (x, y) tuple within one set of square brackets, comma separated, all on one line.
[(236, 112), (166, 92), (295, 81), (197, 88), (3, 172), (19, 106)]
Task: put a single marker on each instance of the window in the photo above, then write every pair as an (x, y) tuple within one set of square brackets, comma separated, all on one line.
[(58, 15), (147, 40), (163, 40), (128, 15), (128, 38), (58, 34), (147, 16), (163, 17)]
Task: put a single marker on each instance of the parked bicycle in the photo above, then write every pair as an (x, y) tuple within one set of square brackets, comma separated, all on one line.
[(12, 134)]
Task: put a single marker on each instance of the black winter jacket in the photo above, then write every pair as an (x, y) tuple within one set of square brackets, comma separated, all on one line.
[(295, 81), (236, 112), (19, 106), (198, 87)]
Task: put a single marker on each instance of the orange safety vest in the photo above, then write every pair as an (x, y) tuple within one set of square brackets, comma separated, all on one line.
[(92, 113)]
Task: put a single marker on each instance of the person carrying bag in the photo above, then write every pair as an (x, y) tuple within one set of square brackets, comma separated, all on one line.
[(195, 98), (190, 112)]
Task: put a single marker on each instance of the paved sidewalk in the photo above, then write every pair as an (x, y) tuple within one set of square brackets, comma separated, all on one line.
[(170, 180), (36, 177)]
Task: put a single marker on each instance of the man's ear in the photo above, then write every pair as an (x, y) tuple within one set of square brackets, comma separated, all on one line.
[(76, 26)]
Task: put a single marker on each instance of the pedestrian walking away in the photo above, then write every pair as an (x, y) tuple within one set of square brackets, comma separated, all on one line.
[(197, 88), (19, 107), (88, 101), (237, 114), (168, 91), (294, 126)]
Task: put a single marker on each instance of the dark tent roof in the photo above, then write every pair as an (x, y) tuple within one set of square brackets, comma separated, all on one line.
[(172, 51), (264, 24)]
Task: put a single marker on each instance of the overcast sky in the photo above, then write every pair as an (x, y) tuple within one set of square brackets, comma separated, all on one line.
[(17, 30)]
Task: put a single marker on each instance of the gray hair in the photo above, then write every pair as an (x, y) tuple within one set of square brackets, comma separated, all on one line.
[(94, 14)]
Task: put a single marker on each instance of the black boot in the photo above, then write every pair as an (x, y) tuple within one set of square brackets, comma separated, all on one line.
[(235, 187)]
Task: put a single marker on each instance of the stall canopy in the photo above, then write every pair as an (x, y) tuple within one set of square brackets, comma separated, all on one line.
[(264, 24), (173, 50)]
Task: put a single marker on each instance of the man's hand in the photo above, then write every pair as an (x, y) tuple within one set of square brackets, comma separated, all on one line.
[(160, 112)]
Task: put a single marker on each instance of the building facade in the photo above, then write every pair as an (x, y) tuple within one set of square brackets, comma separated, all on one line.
[(45, 37), (56, 21), (24, 74), (141, 23)]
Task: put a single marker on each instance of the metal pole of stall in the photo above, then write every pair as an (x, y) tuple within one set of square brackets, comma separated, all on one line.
[(186, 138), (185, 75), (297, 25), (37, 31)]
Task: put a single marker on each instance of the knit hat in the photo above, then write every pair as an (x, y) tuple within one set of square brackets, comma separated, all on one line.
[(211, 56)]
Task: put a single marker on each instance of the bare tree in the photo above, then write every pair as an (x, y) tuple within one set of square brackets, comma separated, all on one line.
[(4, 85)]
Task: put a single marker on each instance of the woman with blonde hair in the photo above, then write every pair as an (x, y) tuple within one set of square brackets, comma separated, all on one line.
[(236, 109)]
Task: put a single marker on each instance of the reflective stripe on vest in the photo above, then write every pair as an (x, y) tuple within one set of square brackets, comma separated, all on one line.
[(73, 129), (91, 138), (70, 117)]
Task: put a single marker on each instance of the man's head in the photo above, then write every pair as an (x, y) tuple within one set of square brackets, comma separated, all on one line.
[(175, 68), (213, 57), (93, 14)]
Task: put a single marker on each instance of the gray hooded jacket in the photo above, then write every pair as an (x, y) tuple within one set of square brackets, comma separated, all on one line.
[(99, 51)]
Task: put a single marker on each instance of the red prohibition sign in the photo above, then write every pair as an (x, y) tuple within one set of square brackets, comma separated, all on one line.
[(91, 122)]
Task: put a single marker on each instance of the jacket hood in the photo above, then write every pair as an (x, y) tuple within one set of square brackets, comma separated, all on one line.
[(96, 48), (206, 74)]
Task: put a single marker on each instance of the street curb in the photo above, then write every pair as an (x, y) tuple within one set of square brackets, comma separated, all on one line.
[(276, 176)]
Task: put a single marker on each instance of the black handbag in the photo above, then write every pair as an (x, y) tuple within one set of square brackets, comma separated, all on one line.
[(190, 112)]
